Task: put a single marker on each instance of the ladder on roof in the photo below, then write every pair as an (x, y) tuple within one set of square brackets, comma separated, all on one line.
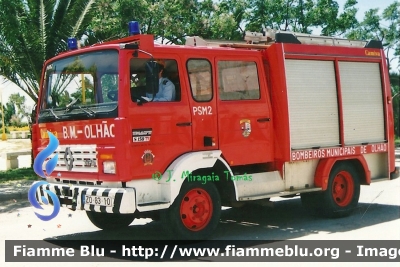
[(262, 40), (302, 38), (198, 41)]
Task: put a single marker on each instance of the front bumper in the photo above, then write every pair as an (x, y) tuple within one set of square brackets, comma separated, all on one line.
[(73, 197)]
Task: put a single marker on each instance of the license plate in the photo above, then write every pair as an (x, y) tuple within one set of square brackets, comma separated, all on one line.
[(99, 201), (141, 139)]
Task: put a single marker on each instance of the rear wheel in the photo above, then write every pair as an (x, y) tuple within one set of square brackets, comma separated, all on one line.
[(195, 212), (343, 191), (110, 221)]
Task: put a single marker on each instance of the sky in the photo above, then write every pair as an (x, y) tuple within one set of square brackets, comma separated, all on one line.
[(362, 5), (7, 88)]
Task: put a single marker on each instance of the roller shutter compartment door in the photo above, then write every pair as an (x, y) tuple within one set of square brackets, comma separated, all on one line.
[(313, 105), (363, 112)]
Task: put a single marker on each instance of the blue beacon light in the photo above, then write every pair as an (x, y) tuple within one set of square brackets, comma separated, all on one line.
[(133, 28), (72, 43)]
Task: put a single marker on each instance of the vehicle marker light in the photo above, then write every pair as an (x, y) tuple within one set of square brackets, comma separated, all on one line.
[(106, 156), (133, 28), (72, 43)]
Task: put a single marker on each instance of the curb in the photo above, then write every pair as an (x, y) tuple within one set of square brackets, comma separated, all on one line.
[(19, 195), (15, 190)]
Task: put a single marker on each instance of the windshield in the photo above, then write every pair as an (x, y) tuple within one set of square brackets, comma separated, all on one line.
[(81, 87)]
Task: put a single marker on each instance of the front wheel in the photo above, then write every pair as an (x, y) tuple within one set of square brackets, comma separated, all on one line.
[(195, 212), (110, 221), (343, 191)]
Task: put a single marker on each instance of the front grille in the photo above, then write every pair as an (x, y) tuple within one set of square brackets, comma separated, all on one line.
[(74, 182), (76, 158)]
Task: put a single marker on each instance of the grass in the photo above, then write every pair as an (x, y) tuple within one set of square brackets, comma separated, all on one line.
[(18, 174), (397, 142)]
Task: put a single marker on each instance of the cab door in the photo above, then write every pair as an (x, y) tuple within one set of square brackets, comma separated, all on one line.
[(244, 116), (161, 130), (202, 103)]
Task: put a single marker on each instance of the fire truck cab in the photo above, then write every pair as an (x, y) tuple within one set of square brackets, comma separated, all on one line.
[(177, 131)]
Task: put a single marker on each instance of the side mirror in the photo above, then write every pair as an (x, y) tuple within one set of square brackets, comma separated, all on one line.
[(152, 77)]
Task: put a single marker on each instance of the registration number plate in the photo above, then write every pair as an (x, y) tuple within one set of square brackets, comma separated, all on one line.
[(99, 201), (141, 139)]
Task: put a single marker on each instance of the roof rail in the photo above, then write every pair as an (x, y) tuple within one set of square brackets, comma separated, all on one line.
[(304, 38), (198, 41), (318, 40), (262, 40)]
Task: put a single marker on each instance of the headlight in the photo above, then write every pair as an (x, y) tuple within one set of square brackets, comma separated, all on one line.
[(109, 167)]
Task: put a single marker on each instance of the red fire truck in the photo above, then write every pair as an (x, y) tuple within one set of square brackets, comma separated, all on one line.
[(297, 115)]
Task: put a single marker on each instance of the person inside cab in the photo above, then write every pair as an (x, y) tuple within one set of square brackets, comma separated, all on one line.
[(166, 88)]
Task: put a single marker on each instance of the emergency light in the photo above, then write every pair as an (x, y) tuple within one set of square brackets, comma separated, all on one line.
[(72, 43), (133, 28)]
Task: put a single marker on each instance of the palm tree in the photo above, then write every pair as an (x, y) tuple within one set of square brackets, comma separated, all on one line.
[(32, 31)]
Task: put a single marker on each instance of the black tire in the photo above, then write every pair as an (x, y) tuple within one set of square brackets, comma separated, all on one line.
[(343, 191), (186, 219), (110, 221)]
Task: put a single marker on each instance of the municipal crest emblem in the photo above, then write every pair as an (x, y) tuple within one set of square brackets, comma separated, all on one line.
[(148, 157), (246, 127)]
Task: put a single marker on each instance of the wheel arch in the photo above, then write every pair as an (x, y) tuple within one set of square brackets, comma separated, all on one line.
[(200, 163), (325, 166)]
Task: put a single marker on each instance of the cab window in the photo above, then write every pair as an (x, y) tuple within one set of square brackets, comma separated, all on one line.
[(169, 86), (199, 71), (238, 80)]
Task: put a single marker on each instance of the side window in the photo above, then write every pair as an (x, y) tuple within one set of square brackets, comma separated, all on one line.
[(238, 80), (199, 71), (169, 86)]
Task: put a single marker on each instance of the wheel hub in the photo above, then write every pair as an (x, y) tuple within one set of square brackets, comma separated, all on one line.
[(196, 209), (342, 189)]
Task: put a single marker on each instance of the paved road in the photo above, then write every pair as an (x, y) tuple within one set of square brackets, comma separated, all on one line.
[(376, 218)]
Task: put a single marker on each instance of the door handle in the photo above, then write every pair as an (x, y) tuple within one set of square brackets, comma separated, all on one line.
[(263, 119), (184, 124)]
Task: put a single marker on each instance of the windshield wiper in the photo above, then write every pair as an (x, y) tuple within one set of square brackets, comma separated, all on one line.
[(73, 102), (90, 114), (54, 114), (70, 106)]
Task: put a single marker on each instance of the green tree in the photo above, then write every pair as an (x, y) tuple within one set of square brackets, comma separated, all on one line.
[(302, 15), (270, 14), (332, 23), (395, 86), (19, 102), (9, 112), (227, 19), (384, 27), (32, 31), (170, 21)]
